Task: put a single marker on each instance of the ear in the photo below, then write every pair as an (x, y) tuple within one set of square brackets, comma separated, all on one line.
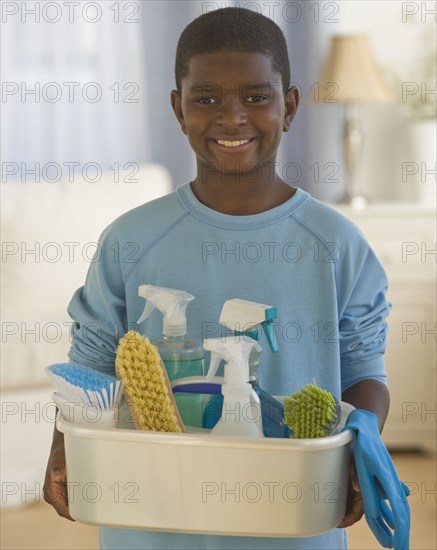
[(291, 104), (176, 103)]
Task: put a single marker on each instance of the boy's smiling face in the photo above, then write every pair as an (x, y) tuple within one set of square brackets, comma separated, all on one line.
[(229, 97)]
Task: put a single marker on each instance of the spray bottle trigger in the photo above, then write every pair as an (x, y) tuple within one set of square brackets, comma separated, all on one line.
[(213, 366), (147, 311), (269, 331)]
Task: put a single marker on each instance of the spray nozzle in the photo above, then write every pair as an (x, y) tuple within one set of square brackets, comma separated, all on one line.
[(235, 352), (216, 358), (243, 317), (171, 302)]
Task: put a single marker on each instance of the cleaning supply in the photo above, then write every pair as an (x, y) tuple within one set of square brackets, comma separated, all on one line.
[(244, 317), (146, 386), (311, 412), (241, 411), (314, 412), (211, 387), (379, 482), (199, 384), (181, 357), (85, 395)]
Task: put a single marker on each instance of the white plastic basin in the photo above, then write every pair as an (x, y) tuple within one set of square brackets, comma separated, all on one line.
[(207, 484)]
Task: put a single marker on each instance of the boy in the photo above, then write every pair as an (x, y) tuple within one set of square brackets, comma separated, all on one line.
[(239, 230)]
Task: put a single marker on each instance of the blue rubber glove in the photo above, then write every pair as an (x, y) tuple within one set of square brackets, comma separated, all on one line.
[(379, 482)]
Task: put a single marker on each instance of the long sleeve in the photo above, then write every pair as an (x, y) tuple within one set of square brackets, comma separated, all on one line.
[(362, 324), (98, 309)]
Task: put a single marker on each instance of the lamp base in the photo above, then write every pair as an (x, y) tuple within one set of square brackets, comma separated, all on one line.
[(357, 202)]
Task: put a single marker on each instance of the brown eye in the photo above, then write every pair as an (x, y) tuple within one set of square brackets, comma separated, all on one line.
[(258, 98), (206, 99)]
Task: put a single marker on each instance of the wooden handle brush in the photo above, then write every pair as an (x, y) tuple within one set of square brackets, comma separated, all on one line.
[(146, 385)]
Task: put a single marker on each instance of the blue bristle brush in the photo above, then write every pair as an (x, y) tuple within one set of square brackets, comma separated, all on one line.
[(86, 385)]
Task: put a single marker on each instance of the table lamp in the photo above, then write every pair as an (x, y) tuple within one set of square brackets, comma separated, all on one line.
[(351, 76)]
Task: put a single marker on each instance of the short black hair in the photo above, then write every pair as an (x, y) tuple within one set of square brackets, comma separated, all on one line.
[(232, 29)]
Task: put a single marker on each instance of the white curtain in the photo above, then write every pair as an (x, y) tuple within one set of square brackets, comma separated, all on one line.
[(310, 154), (88, 79)]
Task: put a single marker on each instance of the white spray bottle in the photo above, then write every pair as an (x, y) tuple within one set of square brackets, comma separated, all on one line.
[(243, 318), (181, 357), (241, 412)]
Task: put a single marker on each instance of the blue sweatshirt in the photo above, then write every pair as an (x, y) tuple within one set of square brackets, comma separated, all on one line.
[(302, 256)]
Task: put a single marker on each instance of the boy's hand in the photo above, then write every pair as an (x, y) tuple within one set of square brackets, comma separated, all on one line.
[(55, 483), (354, 505)]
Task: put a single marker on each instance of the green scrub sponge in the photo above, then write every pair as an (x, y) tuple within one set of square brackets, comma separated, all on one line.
[(311, 412)]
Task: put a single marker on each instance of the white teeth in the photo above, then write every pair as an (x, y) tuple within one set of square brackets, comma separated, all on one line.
[(232, 143)]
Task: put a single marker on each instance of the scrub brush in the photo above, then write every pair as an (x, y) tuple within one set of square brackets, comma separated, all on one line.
[(311, 412), (86, 385), (146, 385)]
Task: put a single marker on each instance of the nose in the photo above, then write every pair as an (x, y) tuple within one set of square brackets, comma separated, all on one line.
[(231, 113)]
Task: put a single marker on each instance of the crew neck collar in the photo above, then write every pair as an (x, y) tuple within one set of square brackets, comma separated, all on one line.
[(229, 221)]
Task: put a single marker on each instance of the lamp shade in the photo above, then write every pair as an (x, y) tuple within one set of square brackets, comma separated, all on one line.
[(351, 74)]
